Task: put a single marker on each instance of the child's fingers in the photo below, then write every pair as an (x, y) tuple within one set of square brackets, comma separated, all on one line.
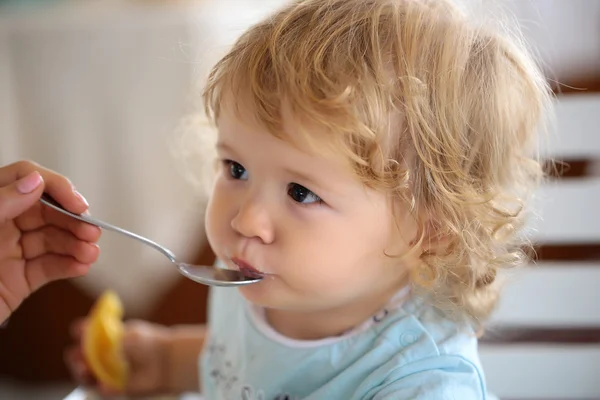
[(107, 391), (76, 329), (78, 367)]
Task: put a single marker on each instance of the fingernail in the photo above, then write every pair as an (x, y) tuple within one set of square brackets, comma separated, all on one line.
[(81, 197), (29, 183)]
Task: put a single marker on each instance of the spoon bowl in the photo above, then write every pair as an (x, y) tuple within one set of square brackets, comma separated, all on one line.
[(207, 275)]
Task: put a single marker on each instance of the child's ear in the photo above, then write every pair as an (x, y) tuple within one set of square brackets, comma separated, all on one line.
[(434, 238)]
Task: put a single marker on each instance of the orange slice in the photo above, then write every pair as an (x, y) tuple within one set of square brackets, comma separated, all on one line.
[(102, 341)]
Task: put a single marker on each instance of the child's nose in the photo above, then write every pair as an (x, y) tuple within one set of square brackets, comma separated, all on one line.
[(253, 221)]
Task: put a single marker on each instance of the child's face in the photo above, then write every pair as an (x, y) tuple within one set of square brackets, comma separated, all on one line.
[(304, 220)]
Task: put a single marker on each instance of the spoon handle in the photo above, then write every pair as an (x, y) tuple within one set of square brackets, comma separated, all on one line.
[(50, 202)]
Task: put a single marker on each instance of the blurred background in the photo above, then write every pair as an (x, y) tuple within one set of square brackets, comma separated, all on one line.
[(94, 89)]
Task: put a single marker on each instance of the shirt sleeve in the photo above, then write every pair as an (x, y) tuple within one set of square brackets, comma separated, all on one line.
[(439, 378)]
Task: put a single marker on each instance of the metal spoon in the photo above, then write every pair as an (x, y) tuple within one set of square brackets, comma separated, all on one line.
[(207, 275)]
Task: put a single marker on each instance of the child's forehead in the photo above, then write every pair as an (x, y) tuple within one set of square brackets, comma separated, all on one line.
[(240, 115)]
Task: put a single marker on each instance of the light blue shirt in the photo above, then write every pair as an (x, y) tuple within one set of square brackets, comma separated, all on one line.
[(407, 351)]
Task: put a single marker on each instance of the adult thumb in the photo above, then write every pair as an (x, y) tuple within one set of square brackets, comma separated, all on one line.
[(19, 196)]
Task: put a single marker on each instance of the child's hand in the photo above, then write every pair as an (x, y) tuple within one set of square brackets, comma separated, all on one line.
[(146, 349)]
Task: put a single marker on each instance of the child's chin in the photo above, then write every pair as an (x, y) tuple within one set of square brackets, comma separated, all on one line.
[(262, 294)]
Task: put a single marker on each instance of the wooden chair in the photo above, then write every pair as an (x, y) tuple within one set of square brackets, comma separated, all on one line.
[(545, 341)]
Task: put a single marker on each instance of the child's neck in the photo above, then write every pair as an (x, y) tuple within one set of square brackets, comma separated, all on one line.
[(314, 325)]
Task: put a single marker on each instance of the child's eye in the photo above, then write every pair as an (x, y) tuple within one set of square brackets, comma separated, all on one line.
[(236, 170), (302, 195)]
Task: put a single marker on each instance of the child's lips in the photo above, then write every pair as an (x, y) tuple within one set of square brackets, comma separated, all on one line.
[(247, 269)]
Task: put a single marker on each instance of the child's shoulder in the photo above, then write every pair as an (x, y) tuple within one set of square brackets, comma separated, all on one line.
[(429, 349), (424, 331)]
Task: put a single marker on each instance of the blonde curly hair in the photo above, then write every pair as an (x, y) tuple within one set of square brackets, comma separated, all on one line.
[(439, 112)]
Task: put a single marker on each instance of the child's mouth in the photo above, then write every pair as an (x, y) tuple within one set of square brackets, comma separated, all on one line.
[(248, 270)]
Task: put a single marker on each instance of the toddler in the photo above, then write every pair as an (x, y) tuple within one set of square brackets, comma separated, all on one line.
[(375, 160)]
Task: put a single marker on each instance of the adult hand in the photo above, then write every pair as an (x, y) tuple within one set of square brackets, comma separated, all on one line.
[(38, 244)]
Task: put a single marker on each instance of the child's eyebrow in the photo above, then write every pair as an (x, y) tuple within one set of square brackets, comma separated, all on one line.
[(224, 147), (305, 178)]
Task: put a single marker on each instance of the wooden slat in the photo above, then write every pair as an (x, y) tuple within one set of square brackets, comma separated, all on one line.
[(551, 295), (542, 371), (577, 127), (573, 168), (569, 212), (546, 398), (567, 252), (532, 334), (576, 85)]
